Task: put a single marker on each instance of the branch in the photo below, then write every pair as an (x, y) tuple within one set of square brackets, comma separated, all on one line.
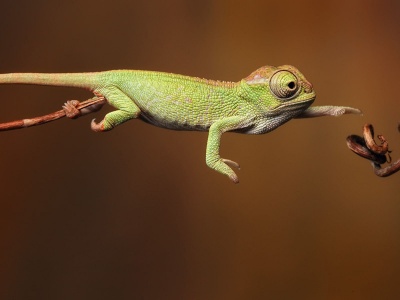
[(72, 109), (378, 154)]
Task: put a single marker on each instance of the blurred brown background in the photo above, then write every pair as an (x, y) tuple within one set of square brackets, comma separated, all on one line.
[(136, 214)]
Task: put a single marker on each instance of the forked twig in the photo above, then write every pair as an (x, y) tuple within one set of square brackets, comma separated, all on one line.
[(378, 154), (72, 109)]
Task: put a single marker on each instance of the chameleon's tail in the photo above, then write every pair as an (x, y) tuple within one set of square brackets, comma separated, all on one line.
[(81, 80)]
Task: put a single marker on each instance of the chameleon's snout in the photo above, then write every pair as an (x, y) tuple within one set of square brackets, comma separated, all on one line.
[(308, 88)]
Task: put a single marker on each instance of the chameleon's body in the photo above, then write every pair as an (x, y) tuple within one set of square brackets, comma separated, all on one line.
[(257, 104)]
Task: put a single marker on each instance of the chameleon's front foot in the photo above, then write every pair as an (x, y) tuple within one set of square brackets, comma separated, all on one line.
[(221, 165), (213, 160)]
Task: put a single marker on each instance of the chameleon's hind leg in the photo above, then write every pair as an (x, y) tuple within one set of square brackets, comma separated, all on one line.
[(127, 110)]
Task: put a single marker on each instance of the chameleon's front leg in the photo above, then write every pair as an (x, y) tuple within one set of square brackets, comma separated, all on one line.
[(213, 159)]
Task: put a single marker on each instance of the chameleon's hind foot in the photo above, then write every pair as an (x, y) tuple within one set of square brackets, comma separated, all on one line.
[(98, 127), (74, 109), (71, 110)]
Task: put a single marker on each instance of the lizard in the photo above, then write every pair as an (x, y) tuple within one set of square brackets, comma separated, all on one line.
[(259, 103)]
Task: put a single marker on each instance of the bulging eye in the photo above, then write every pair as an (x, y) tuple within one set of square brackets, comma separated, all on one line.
[(283, 84)]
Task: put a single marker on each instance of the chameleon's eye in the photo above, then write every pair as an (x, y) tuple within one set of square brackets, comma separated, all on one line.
[(284, 84)]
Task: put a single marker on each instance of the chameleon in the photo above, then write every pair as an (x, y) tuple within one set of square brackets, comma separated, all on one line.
[(259, 103)]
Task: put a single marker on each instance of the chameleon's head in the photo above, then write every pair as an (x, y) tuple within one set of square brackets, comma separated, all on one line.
[(281, 89)]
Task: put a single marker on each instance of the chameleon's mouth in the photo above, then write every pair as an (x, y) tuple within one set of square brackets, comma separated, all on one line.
[(296, 105)]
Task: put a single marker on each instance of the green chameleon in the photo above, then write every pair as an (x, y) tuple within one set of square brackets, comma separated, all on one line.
[(259, 103)]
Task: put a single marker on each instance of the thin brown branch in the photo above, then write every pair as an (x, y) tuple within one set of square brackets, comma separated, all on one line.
[(368, 132), (72, 109), (367, 148)]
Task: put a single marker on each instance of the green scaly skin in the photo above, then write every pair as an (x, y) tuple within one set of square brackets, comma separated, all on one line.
[(259, 103)]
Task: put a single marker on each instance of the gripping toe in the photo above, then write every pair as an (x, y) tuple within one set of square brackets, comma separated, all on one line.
[(98, 127)]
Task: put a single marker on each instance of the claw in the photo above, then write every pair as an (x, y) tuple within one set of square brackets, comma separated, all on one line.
[(98, 127), (231, 163), (234, 178)]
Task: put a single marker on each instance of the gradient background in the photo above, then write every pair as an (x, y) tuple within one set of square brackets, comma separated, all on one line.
[(136, 214)]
